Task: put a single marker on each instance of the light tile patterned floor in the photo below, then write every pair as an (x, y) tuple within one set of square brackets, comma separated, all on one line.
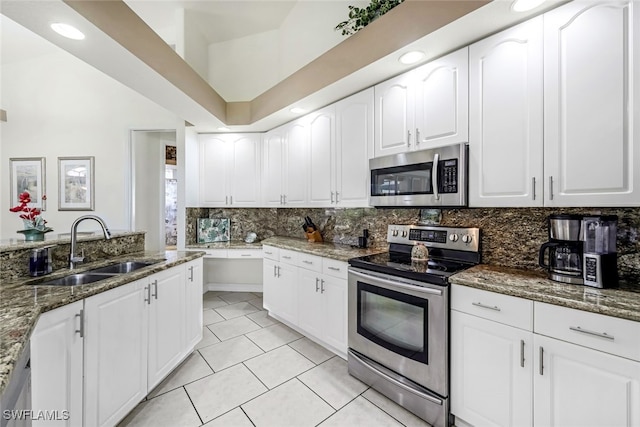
[(250, 370)]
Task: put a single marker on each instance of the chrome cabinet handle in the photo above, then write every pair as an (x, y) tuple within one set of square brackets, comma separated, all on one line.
[(337, 196), (268, 253), (334, 268), (245, 254), (332, 197), (278, 271), (541, 363), (286, 257), (550, 188), (155, 286), (81, 325), (230, 200), (317, 287), (522, 353), (284, 199), (417, 136), (307, 262), (226, 200), (595, 334), (281, 199), (148, 298), (408, 138), (479, 304), (322, 286), (274, 270), (533, 188), (191, 273)]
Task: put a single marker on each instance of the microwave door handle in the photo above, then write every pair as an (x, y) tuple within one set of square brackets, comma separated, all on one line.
[(434, 176)]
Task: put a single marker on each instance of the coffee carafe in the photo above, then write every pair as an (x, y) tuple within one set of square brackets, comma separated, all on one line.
[(565, 262), (600, 260)]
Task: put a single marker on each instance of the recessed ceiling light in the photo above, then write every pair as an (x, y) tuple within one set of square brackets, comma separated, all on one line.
[(297, 110), (524, 5), (224, 129), (411, 57), (67, 31)]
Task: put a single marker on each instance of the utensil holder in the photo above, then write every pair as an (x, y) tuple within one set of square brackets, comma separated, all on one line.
[(314, 236)]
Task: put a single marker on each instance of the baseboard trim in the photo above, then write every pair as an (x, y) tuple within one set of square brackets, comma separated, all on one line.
[(232, 287)]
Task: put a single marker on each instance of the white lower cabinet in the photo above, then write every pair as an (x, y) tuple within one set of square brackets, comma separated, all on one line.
[(115, 359), (571, 368), (56, 365), (166, 326), (309, 293), (193, 303), (99, 357), (577, 386)]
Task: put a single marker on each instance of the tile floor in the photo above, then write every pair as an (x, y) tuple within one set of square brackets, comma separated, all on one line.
[(250, 370)]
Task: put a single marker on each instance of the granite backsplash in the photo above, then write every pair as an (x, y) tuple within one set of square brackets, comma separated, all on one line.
[(511, 237), (14, 261)]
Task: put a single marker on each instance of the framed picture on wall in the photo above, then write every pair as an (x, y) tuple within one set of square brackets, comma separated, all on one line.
[(76, 183), (28, 174)]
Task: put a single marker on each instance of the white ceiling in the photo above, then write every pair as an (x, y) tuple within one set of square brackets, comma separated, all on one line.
[(221, 20)]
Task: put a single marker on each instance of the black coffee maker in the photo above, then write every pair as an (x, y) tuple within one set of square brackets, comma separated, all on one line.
[(565, 261)]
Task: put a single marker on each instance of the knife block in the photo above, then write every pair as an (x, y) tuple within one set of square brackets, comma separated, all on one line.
[(314, 236)]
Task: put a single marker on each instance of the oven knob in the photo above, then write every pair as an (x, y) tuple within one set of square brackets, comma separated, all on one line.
[(404, 233), (453, 237), (466, 238), (394, 233)]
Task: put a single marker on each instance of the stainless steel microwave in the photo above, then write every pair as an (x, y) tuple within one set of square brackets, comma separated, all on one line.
[(433, 177)]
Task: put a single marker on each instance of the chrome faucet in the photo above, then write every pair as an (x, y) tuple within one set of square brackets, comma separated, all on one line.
[(73, 258)]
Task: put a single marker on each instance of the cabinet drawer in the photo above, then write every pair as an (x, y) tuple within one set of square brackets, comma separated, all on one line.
[(310, 262), (216, 253), (270, 252), (289, 257), (501, 308), (335, 268), (245, 253), (605, 333)]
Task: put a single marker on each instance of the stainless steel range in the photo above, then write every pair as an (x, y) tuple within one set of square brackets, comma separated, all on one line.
[(399, 316)]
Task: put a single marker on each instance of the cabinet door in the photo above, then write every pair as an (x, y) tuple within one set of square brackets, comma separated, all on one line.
[(213, 170), (505, 118), (56, 364), (354, 148), (592, 124), (394, 116), (115, 353), (491, 370), (166, 323), (287, 283), (270, 296), (576, 386), (321, 155), (273, 167), (442, 101), (193, 303), (334, 291), (296, 164), (244, 177), (310, 302)]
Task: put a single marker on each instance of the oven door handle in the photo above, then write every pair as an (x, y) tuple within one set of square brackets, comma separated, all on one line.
[(397, 284), (395, 381)]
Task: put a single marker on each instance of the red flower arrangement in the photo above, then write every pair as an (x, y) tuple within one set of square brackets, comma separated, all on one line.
[(30, 216)]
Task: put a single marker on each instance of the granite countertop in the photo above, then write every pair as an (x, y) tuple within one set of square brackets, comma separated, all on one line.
[(622, 302), (324, 249), (22, 300)]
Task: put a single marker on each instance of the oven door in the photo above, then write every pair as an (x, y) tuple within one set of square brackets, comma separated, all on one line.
[(402, 325)]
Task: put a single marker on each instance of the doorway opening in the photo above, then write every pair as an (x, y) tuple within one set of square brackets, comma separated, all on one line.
[(170, 197)]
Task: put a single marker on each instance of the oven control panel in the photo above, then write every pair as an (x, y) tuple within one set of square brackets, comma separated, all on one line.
[(460, 238)]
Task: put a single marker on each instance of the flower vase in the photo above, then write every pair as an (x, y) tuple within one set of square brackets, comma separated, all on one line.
[(34, 234)]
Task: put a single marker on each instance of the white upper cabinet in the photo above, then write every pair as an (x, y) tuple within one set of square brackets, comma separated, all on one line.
[(296, 164), (230, 170), (423, 108), (592, 94), (394, 108), (353, 149), (321, 155), (442, 101), (273, 167), (505, 118)]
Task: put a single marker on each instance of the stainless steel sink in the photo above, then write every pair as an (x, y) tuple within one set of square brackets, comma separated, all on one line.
[(122, 267), (98, 274), (76, 279)]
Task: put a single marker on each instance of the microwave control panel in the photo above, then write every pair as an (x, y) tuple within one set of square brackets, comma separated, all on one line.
[(448, 176)]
